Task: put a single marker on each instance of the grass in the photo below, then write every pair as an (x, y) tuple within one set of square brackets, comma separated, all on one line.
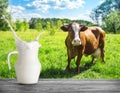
[(53, 57)]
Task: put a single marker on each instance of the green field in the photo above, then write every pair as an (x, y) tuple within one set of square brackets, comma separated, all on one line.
[(53, 57)]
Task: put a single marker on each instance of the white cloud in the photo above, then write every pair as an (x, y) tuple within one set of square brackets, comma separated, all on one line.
[(68, 4), (15, 9), (26, 16), (44, 5), (39, 5), (17, 12), (82, 16)]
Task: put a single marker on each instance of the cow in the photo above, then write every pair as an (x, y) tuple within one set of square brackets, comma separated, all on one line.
[(83, 40)]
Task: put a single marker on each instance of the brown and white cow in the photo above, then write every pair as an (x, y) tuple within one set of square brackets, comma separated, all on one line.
[(83, 40)]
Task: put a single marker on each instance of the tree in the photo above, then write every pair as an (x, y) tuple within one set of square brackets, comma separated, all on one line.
[(59, 24), (32, 23), (117, 5), (112, 22), (18, 25), (3, 7), (95, 16), (38, 26), (104, 9), (48, 26), (25, 25), (22, 26)]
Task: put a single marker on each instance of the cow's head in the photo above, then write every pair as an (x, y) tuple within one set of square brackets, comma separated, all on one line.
[(74, 30)]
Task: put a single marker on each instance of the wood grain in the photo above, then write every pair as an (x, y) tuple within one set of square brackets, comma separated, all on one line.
[(61, 86)]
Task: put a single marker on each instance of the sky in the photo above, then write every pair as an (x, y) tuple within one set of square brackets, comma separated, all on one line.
[(70, 9)]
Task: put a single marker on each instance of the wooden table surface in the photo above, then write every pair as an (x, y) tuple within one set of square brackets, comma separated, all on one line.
[(61, 86)]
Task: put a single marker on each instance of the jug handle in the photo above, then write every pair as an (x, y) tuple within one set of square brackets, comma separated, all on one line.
[(9, 55)]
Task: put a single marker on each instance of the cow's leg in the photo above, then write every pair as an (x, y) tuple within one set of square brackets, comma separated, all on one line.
[(68, 65), (102, 50), (78, 63), (69, 59)]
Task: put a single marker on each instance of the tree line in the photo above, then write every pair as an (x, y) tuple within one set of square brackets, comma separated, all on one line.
[(106, 15), (47, 24)]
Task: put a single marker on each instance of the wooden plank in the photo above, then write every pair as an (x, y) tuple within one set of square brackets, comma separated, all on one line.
[(61, 86)]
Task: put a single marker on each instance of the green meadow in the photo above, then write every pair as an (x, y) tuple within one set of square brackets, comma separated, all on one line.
[(53, 57)]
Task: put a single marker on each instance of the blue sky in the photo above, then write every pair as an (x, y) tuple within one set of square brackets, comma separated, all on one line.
[(71, 9)]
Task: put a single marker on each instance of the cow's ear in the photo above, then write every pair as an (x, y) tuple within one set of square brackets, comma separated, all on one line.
[(83, 27), (65, 28)]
